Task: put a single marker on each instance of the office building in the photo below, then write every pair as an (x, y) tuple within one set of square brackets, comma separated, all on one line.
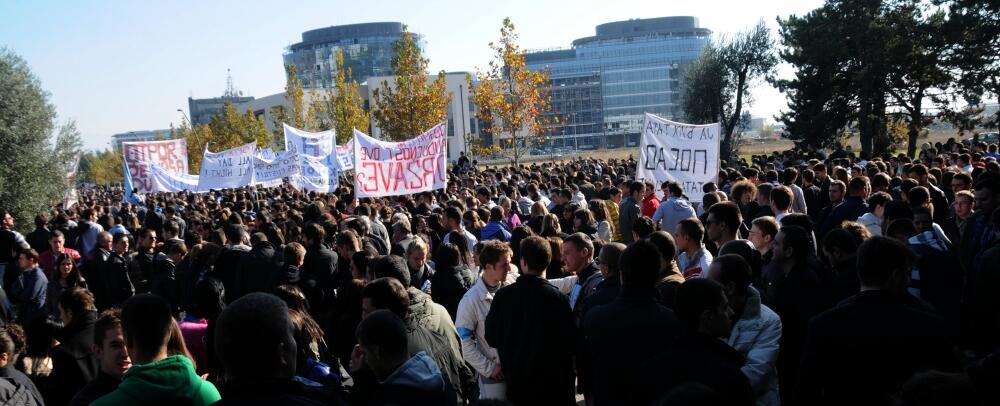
[(136, 136), (367, 49), (603, 84), (202, 110)]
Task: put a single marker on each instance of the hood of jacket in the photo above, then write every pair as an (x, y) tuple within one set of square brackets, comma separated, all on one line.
[(418, 372), (677, 205), (172, 380)]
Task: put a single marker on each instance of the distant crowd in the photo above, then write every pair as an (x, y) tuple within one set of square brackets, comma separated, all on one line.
[(798, 279)]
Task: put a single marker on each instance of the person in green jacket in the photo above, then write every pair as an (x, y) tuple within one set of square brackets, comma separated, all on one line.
[(155, 378)]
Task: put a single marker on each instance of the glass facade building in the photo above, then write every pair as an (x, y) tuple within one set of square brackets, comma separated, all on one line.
[(603, 84), (367, 52)]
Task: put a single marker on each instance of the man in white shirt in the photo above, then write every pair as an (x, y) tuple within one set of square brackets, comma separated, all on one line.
[(453, 222), (694, 258)]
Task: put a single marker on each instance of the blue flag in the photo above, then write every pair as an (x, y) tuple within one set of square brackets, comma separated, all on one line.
[(127, 184)]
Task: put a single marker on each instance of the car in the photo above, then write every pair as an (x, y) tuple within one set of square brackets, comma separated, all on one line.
[(989, 138)]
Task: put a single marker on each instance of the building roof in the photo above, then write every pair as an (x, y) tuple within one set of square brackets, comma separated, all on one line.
[(341, 32)]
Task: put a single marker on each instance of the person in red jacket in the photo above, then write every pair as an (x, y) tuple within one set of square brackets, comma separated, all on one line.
[(57, 246), (650, 203)]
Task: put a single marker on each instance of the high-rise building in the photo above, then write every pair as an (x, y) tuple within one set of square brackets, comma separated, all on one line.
[(136, 136), (367, 48), (602, 85)]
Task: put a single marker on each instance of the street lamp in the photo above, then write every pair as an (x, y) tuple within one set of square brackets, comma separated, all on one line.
[(184, 115)]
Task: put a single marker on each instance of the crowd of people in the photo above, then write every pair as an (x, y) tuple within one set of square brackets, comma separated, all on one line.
[(798, 279)]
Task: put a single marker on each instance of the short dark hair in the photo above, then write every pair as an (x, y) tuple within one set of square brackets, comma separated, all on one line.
[(692, 228), (878, 199), (312, 231), (781, 197), (389, 294), (108, 320), (581, 241), (767, 225), (77, 301), (879, 258), (146, 322), (611, 256), (384, 330), (643, 226), (492, 250), (693, 298), (639, 264), (392, 266), (536, 252), (733, 268), (256, 323), (728, 213), (840, 239), (799, 240)]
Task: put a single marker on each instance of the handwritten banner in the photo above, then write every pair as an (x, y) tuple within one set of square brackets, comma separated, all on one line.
[(398, 168), (232, 168), (345, 156), (171, 155), (683, 153)]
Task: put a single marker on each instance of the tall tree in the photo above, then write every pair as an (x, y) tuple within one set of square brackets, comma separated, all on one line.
[(299, 113), (708, 90), (413, 103), (975, 27), (345, 104), (918, 51), (515, 101), (748, 57), (36, 158), (718, 82)]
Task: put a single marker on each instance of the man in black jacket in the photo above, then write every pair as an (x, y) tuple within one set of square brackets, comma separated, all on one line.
[(255, 269), (619, 336), (73, 361), (864, 350), (227, 265), (531, 325), (318, 270), (115, 276), (793, 289), (698, 355), (112, 358)]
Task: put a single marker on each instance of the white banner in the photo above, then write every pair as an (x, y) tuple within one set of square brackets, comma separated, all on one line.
[(282, 166), (345, 156), (315, 176), (399, 168), (683, 153), (232, 168), (171, 155), (318, 170), (165, 181)]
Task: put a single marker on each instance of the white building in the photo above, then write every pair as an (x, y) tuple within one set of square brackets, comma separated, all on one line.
[(136, 136)]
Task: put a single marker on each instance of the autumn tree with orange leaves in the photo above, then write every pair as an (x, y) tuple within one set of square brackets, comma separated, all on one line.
[(413, 103), (512, 99)]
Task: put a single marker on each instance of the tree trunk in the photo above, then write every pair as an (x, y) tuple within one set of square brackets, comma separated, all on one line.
[(916, 118)]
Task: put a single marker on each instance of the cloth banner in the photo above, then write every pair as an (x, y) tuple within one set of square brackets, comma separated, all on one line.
[(684, 153), (315, 175), (318, 171), (345, 156), (282, 166), (399, 168), (166, 181), (170, 155), (232, 168), (71, 196)]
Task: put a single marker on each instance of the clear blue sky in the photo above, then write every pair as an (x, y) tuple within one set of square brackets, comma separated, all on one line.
[(116, 66)]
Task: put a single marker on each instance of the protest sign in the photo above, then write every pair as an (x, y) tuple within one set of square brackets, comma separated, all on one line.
[(231, 168), (171, 155), (345, 156), (282, 166), (683, 153), (317, 159), (397, 168), (165, 181)]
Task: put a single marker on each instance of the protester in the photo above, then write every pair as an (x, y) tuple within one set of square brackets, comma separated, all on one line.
[(155, 375), (531, 325), (873, 342)]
